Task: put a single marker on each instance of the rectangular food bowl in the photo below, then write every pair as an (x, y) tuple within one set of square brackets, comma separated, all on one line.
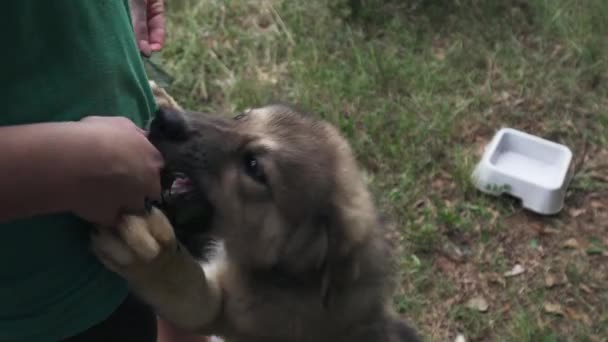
[(527, 167)]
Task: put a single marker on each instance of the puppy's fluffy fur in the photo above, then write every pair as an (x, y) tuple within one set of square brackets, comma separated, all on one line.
[(298, 252)]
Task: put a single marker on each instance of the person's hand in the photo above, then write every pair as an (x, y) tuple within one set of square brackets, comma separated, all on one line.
[(117, 168), (148, 24), (167, 332)]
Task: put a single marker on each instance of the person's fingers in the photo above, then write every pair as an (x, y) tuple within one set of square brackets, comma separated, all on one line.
[(155, 24), (140, 25), (168, 332), (136, 206), (126, 122), (155, 193), (107, 218), (149, 192), (152, 189), (118, 120), (141, 131), (157, 157), (144, 47)]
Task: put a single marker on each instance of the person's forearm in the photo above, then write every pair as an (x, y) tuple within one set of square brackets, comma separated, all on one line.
[(37, 168)]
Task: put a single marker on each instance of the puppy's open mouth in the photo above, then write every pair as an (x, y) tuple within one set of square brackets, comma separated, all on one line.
[(180, 185), (184, 203)]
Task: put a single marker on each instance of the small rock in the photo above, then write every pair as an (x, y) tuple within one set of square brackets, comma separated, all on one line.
[(517, 270), (460, 338), (478, 303)]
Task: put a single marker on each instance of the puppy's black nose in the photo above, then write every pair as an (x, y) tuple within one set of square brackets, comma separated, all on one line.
[(169, 124)]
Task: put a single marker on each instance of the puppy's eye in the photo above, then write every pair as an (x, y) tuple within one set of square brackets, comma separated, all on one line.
[(254, 169), (239, 116)]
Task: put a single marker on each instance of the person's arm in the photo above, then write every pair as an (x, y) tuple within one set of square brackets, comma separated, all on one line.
[(38, 168), (97, 168)]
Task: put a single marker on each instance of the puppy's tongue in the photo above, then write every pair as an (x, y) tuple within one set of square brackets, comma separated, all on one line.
[(181, 185)]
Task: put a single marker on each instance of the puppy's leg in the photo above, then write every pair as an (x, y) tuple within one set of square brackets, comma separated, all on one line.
[(145, 252)]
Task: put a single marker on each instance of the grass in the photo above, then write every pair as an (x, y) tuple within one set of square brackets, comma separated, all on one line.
[(419, 87)]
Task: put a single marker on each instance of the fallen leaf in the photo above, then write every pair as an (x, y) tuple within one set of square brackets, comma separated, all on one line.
[(452, 251), (537, 104), (599, 176), (439, 53), (533, 244), (517, 270), (552, 280), (480, 147), (553, 308), (556, 50), (596, 204), (451, 301), (496, 278), (577, 212), (521, 291), (585, 288), (446, 265), (549, 231), (478, 303), (537, 227), (419, 204), (594, 250), (571, 243), (578, 316), (503, 96), (541, 251), (495, 215), (596, 246), (595, 338), (460, 338)]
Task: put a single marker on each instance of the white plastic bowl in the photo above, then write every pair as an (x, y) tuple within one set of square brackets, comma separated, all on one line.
[(527, 167)]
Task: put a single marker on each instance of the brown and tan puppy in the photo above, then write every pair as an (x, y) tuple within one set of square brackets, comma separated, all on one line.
[(297, 252)]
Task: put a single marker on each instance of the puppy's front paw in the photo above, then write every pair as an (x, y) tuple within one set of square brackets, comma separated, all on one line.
[(136, 243)]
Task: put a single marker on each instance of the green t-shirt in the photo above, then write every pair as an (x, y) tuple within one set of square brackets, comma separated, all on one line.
[(62, 60)]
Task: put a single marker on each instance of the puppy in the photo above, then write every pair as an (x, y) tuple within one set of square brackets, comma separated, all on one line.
[(286, 245)]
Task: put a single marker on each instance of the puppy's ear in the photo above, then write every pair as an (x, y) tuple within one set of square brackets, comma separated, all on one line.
[(305, 251), (350, 222)]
